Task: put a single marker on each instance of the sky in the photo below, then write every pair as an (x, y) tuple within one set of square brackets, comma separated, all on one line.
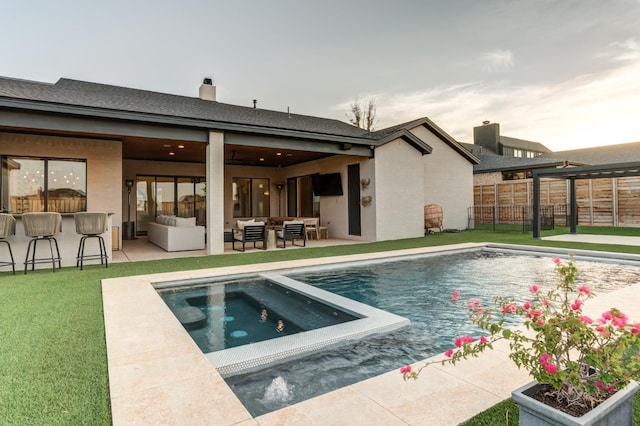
[(564, 73)]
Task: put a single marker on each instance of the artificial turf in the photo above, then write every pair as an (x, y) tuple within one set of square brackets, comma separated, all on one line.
[(53, 363)]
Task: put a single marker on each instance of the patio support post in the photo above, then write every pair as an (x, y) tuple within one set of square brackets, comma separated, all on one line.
[(215, 193), (573, 205), (536, 206)]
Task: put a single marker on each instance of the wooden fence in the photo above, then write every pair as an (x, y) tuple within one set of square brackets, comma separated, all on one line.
[(601, 202)]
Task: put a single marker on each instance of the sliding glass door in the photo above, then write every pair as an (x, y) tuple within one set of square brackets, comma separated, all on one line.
[(168, 195)]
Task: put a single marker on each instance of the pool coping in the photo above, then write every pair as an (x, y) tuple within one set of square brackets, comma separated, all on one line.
[(157, 374)]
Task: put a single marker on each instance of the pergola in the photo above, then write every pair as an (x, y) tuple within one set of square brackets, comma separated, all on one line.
[(572, 174)]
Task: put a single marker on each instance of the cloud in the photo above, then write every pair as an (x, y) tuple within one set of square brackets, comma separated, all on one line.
[(588, 110), (497, 61)]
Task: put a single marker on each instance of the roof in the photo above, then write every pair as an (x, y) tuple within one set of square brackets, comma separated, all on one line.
[(492, 162), (116, 98), (523, 144), (393, 131), (608, 154), (86, 98)]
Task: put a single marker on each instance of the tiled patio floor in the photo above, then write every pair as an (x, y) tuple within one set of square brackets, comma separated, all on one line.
[(157, 375)]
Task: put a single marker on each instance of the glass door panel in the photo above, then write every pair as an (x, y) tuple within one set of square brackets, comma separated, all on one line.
[(201, 203), (165, 196), (145, 203), (186, 197)]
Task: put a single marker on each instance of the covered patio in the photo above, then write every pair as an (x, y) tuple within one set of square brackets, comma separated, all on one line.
[(140, 249)]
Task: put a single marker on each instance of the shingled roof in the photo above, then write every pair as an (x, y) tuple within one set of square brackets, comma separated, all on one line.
[(492, 162), (523, 144), (116, 98), (608, 154)]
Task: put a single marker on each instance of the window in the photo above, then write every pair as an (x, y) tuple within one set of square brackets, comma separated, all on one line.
[(250, 197), (43, 184)]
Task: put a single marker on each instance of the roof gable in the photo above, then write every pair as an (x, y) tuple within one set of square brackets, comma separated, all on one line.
[(390, 133)]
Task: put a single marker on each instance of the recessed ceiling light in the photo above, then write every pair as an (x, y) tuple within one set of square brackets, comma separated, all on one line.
[(278, 153), (181, 146), (289, 155), (261, 159), (166, 145), (172, 153)]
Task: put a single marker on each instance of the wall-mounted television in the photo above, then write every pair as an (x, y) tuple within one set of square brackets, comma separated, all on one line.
[(327, 184)]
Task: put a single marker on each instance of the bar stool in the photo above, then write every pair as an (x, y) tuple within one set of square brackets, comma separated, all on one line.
[(42, 226), (7, 228), (91, 225)]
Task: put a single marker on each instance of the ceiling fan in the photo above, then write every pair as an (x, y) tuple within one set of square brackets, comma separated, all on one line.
[(235, 160)]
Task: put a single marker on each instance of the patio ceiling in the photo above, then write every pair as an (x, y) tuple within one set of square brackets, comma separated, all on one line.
[(195, 152)]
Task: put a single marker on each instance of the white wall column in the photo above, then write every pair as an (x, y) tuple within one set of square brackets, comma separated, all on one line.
[(215, 193)]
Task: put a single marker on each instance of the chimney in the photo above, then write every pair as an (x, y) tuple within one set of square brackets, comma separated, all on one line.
[(207, 90), (488, 136)]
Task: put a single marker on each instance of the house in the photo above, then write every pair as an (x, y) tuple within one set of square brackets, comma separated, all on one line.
[(139, 154), (502, 179)]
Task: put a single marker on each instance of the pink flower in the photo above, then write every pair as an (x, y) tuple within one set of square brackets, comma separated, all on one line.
[(576, 305), (599, 385), (556, 260), (455, 295), (540, 322), (462, 340), (620, 321), (534, 288), (611, 389), (526, 306), (584, 289), (585, 320), (635, 329), (448, 353), (483, 340), (509, 308), (607, 316), (603, 330), (550, 368), (535, 313), (544, 358), (406, 369)]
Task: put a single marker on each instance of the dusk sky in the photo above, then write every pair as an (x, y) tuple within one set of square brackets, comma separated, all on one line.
[(563, 73)]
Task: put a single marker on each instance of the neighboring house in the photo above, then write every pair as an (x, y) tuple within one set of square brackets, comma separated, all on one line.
[(218, 162), (502, 178)]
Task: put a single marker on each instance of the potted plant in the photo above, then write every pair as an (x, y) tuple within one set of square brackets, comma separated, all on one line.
[(584, 367)]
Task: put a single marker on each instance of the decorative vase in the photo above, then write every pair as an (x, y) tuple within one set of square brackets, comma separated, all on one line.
[(617, 410)]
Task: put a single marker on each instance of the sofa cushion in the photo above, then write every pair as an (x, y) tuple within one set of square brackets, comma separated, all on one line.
[(241, 223), (185, 221)]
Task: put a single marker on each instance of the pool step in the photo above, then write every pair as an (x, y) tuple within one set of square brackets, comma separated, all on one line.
[(306, 313)]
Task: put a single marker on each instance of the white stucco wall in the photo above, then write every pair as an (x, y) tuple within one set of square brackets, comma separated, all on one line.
[(399, 191), (448, 180)]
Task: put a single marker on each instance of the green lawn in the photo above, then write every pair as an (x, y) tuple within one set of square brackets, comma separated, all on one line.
[(53, 366)]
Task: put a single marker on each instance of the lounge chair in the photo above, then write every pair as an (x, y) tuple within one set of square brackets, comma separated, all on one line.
[(292, 230), (256, 232)]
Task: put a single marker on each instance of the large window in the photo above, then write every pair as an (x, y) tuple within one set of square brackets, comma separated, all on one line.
[(169, 195), (43, 184), (250, 197)]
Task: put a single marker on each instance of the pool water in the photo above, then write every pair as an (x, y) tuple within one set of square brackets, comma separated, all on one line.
[(419, 289), (225, 315)]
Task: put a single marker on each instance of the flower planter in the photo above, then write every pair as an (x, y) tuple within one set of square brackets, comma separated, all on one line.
[(615, 411)]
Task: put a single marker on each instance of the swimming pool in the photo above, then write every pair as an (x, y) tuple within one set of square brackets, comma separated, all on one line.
[(418, 288)]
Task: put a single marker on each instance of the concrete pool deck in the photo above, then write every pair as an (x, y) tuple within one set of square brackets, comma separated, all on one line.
[(157, 374)]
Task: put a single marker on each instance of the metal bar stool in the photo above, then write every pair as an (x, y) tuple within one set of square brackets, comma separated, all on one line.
[(91, 225), (42, 226), (7, 228)]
